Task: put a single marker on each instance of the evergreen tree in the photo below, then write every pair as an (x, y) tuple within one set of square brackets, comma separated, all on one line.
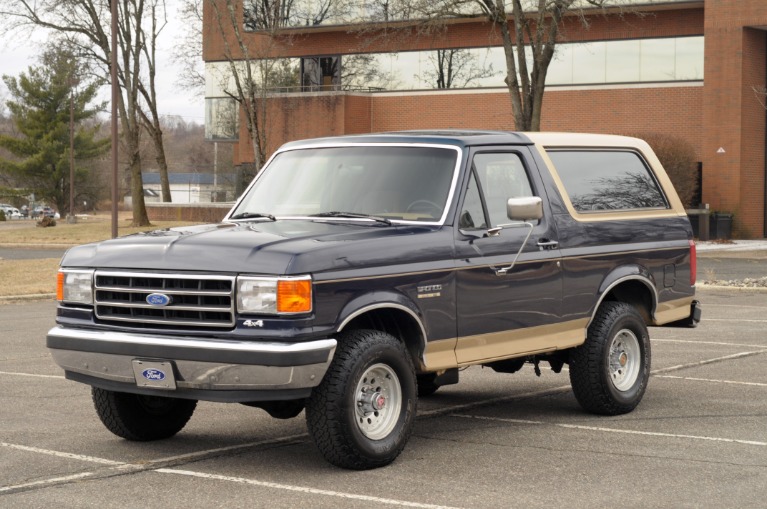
[(40, 110)]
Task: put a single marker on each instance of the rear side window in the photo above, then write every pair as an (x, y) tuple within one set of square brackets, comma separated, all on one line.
[(607, 180)]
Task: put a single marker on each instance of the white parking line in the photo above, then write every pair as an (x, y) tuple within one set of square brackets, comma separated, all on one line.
[(67, 455), (757, 384), (717, 343), (156, 465), (116, 467), (499, 399), (47, 482), (162, 464), (59, 377), (733, 320), (739, 307), (614, 430), (302, 489), (708, 361)]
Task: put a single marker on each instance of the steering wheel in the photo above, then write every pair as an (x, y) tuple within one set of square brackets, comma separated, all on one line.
[(425, 206)]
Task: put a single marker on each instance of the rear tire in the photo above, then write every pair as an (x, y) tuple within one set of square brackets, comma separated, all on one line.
[(610, 371), (362, 413), (141, 418)]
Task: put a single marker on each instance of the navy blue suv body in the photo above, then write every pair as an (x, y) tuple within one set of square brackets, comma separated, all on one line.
[(358, 273)]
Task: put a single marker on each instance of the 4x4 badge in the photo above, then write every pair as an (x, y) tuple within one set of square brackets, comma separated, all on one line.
[(253, 323)]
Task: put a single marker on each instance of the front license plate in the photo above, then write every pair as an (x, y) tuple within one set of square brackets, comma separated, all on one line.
[(154, 374)]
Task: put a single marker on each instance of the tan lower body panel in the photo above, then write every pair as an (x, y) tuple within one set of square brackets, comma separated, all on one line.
[(439, 354), (464, 351), (672, 310)]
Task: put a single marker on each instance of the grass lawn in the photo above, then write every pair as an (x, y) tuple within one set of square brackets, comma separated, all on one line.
[(29, 277), (93, 229)]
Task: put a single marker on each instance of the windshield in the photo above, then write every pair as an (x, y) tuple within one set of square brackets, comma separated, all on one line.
[(406, 183)]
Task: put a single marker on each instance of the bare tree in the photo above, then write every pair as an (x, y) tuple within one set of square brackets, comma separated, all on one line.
[(761, 95), (529, 32), (157, 17), (85, 24), (457, 68), (252, 74), (364, 72), (188, 52)]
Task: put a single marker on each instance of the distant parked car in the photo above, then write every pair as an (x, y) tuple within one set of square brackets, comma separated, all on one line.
[(11, 212), (45, 211)]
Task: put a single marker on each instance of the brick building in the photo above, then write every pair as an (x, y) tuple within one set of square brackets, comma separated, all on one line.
[(693, 69)]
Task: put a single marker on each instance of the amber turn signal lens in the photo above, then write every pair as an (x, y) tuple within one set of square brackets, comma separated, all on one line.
[(60, 286), (294, 296)]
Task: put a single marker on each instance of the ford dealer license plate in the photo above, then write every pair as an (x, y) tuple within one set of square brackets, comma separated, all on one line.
[(154, 374)]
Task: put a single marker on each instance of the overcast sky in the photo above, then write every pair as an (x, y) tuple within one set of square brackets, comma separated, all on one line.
[(16, 57)]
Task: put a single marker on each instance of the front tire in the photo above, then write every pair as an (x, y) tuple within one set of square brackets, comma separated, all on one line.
[(610, 371), (141, 418), (362, 413)]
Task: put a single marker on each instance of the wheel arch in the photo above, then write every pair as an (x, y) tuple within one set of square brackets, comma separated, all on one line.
[(633, 285), (393, 316)]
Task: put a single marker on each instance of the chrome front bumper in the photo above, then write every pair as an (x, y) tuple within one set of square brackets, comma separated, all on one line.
[(200, 364)]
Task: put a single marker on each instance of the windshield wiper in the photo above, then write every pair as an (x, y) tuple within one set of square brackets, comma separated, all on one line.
[(252, 215), (353, 215)]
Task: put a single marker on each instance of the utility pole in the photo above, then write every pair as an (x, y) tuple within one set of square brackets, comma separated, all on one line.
[(215, 171), (71, 218), (115, 91)]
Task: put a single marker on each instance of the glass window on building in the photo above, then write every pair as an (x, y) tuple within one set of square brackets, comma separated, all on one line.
[(221, 119), (561, 67), (657, 60), (689, 58), (622, 61), (589, 62), (262, 15), (319, 74)]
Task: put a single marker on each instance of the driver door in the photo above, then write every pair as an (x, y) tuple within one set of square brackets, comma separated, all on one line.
[(502, 314)]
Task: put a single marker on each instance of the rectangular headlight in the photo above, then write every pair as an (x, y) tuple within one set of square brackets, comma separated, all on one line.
[(75, 286), (261, 295)]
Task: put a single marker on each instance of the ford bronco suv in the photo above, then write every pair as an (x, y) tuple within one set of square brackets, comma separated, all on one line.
[(359, 273)]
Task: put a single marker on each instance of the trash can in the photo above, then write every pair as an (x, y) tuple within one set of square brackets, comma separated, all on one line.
[(721, 225)]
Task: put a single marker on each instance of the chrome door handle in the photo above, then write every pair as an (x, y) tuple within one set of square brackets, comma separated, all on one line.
[(548, 244)]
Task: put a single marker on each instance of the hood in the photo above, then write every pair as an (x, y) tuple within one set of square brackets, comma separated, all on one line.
[(279, 247)]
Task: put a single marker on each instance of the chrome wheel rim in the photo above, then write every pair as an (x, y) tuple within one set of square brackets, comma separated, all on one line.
[(625, 360), (378, 401)]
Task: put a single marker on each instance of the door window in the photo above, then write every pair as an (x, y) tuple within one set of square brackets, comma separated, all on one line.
[(501, 176)]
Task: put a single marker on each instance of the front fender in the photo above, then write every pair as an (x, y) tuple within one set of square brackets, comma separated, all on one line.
[(380, 300)]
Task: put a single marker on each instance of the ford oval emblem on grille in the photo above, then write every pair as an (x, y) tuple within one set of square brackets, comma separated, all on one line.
[(154, 375), (158, 299)]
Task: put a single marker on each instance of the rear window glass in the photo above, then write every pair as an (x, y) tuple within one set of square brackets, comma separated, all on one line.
[(607, 180)]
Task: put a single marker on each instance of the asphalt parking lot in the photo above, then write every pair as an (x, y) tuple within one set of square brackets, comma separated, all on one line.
[(698, 439)]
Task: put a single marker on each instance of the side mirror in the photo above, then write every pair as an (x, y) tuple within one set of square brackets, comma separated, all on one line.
[(528, 208)]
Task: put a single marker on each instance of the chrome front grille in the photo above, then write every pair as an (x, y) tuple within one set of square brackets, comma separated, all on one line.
[(194, 300)]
